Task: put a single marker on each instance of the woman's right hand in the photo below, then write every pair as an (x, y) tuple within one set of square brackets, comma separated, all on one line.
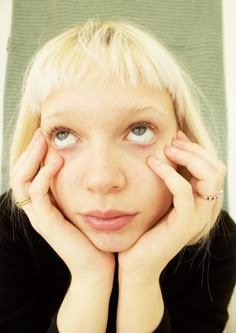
[(30, 178), (91, 269)]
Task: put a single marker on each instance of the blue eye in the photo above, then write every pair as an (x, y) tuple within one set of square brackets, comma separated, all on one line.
[(64, 138), (140, 133)]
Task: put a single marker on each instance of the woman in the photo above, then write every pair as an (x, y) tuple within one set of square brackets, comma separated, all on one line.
[(117, 225)]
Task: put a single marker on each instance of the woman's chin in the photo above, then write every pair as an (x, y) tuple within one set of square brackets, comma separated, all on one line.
[(112, 244), (112, 248)]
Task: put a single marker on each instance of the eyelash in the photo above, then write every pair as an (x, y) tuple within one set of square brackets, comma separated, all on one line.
[(142, 123), (53, 131), (146, 124)]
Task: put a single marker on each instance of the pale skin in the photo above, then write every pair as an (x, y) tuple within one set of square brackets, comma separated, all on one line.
[(73, 178)]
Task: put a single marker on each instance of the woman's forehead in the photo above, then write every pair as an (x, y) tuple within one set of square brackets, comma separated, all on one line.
[(91, 94), (84, 103)]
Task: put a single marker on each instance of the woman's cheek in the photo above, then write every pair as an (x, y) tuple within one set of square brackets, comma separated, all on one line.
[(69, 176), (141, 154)]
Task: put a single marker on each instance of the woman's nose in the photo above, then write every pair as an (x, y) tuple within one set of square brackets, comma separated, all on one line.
[(104, 173)]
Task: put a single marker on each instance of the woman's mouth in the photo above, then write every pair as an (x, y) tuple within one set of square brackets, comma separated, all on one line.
[(110, 220)]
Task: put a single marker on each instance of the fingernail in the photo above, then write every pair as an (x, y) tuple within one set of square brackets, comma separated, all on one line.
[(178, 142), (181, 133), (172, 150), (35, 139), (154, 160), (38, 137), (36, 133)]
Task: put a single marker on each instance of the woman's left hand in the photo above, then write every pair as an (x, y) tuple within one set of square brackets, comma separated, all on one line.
[(189, 215)]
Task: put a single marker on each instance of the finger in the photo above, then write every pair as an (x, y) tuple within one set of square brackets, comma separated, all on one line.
[(182, 136), (23, 192), (49, 222), (209, 178), (201, 152), (39, 188), (44, 217), (181, 220), (28, 164), (180, 188), (27, 152)]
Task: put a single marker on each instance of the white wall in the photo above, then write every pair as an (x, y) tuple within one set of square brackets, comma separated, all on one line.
[(5, 19), (229, 14), (229, 17)]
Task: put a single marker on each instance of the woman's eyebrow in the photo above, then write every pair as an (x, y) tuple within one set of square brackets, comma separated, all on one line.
[(125, 111), (138, 109), (58, 114)]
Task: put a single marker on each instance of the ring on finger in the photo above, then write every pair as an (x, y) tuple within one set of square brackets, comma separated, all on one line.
[(23, 201), (211, 197)]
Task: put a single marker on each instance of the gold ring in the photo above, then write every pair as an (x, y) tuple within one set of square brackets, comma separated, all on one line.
[(23, 202), (211, 197)]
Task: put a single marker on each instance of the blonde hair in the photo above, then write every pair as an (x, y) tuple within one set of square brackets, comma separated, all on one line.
[(107, 50)]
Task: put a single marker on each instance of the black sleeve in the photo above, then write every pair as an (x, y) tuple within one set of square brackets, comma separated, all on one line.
[(197, 285), (164, 326), (21, 308), (53, 327), (30, 277)]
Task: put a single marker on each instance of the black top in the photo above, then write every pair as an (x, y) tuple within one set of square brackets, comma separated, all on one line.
[(196, 285)]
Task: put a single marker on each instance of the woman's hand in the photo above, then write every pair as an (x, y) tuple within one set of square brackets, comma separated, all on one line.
[(91, 270), (190, 213), (29, 177), (140, 306)]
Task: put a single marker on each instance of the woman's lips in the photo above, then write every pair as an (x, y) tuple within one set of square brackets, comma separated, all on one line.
[(111, 220)]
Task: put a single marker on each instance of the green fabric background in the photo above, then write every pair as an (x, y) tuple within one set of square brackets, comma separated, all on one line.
[(192, 29)]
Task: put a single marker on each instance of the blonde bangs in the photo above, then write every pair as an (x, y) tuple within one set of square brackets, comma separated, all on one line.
[(100, 51)]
